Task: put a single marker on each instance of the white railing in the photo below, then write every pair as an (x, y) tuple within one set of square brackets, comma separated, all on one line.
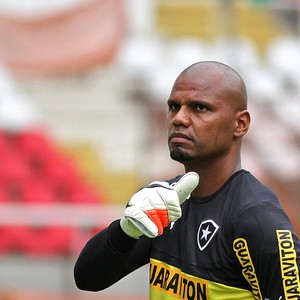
[(59, 214)]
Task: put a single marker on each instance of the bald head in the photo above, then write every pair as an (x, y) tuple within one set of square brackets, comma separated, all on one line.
[(230, 84)]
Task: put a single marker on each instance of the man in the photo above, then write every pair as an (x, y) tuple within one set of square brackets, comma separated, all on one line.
[(231, 238)]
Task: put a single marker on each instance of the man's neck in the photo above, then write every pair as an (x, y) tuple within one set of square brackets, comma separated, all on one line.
[(213, 175)]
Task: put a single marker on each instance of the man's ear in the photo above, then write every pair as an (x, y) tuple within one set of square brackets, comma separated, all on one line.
[(242, 123)]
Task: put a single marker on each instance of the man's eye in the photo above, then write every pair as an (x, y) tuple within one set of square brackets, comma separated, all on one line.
[(201, 107), (173, 106)]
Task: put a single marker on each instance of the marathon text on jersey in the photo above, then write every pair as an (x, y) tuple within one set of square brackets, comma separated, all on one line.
[(174, 282), (242, 252), (288, 264)]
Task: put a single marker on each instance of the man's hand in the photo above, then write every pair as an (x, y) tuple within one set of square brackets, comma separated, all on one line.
[(152, 208)]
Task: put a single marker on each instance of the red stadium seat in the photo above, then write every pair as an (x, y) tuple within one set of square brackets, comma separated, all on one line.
[(33, 171), (41, 241), (11, 238), (13, 166), (37, 191), (82, 194)]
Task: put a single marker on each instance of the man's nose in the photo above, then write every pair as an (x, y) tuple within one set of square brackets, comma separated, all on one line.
[(182, 118)]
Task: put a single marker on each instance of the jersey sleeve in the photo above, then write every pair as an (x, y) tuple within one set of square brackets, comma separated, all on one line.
[(268, 251), (109, 256)]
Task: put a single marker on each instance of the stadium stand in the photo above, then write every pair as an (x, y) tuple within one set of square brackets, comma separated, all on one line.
[(31, 295), (34, 171), (81, 108), (209, 20)]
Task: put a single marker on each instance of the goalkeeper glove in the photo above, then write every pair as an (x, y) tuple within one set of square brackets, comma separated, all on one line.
[(152, 208)]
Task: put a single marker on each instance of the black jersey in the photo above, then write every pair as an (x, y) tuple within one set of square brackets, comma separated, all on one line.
[(235, 244)]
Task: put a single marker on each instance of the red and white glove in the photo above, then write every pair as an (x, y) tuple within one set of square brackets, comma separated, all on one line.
[(154, 207)]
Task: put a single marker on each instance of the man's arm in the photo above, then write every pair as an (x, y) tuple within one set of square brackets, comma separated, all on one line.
[(125, 245), (109, 256)]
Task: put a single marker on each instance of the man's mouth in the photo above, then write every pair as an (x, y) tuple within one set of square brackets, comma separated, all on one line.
[(178, 138)]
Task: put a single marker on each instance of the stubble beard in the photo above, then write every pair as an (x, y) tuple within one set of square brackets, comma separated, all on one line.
[(180, 155)]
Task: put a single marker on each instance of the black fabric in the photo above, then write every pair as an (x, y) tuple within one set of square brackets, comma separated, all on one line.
[(109, 256), (243, 209)]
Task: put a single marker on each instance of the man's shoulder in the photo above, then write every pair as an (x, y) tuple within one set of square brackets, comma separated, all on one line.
[(253, 185), (250, 193)]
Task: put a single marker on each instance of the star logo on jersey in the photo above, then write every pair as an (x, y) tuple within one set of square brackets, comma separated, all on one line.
[(206, 231)]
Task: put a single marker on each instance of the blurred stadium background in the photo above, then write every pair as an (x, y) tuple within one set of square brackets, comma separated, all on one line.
[(83, 85)]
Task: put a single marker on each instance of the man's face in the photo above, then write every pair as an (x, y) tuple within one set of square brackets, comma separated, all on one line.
[(200, 120)]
